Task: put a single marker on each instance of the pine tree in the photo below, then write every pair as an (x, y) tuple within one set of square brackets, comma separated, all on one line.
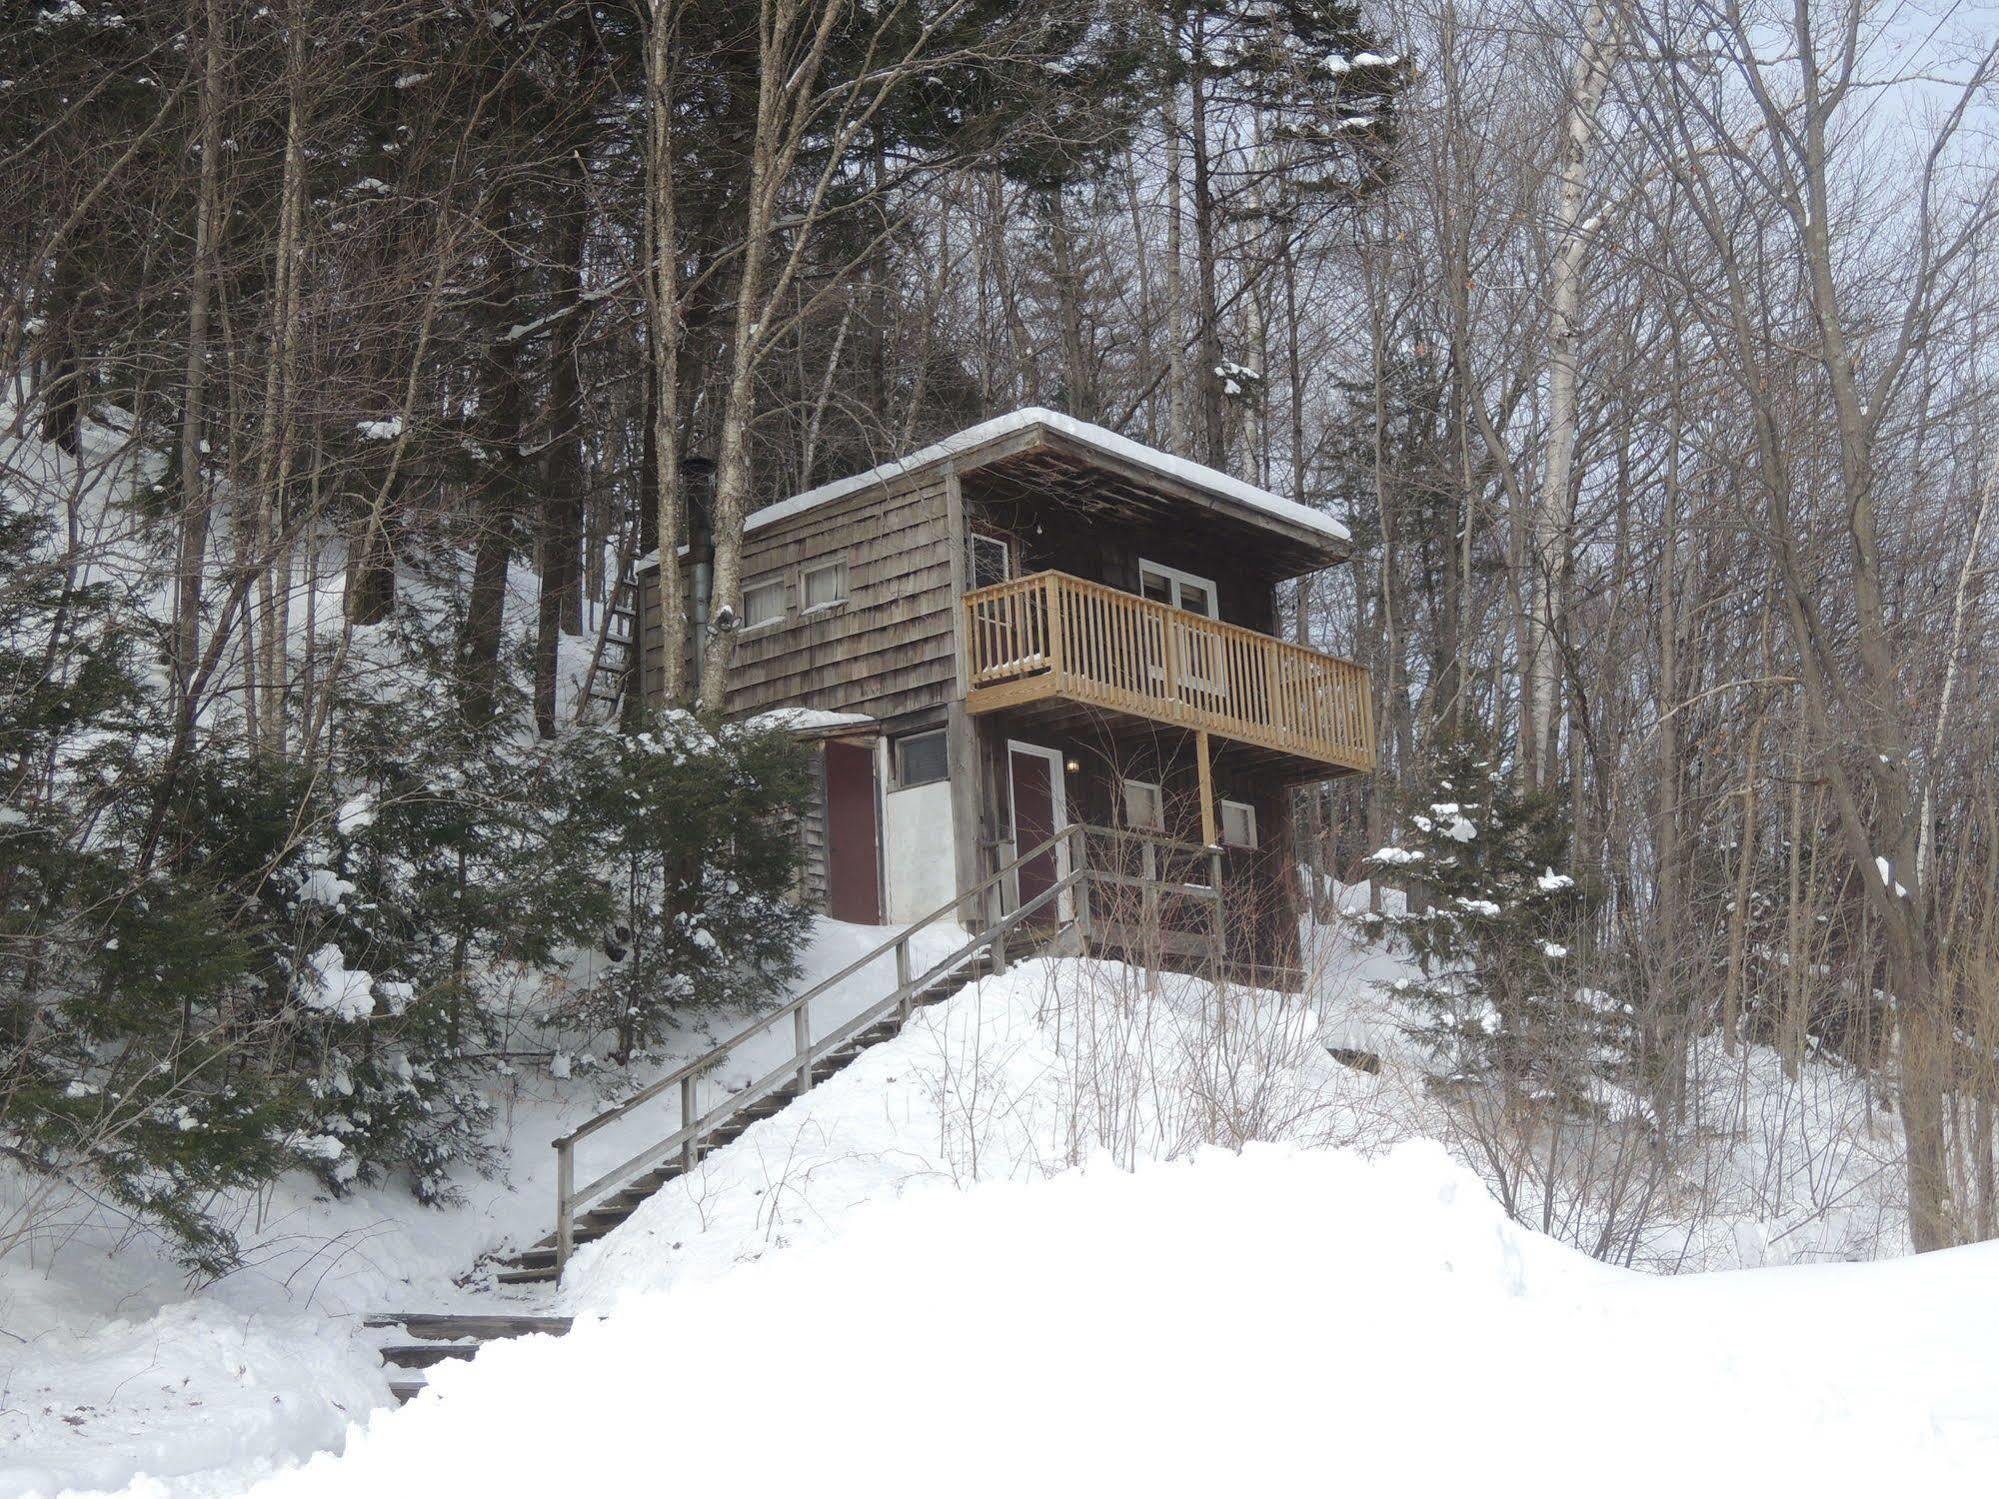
[(1496, 929), (696, 820)]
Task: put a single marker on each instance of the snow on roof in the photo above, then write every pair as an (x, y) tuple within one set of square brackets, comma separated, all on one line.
[(808, 720), (1199, 475), (1185, 470)]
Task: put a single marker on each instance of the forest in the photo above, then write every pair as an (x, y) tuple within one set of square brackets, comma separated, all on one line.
[(354, 352)]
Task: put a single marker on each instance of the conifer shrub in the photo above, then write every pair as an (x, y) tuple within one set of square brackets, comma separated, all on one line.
[(695, 819), (1497, 930)]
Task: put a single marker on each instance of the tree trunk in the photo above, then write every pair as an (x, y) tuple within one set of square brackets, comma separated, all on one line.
[(206, 16)]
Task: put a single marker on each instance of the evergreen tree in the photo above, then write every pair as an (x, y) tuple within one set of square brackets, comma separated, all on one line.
[(695, 819), (1496, 928)]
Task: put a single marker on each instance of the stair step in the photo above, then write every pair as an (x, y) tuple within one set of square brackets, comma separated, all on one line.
[(533, 1277), (406, 1390), (446, 1326), (423, 1355)]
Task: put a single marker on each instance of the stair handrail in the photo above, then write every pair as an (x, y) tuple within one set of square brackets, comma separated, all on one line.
[(807, 1051)]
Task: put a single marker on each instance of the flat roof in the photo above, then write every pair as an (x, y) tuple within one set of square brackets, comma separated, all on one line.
[(1252, 503)]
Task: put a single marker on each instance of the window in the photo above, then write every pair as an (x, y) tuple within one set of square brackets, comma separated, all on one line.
[(991, 559), (822, 585), (1142, 809), (763, 603), (1199, 648), (1189, 591), (1238, 825), (921, 759)]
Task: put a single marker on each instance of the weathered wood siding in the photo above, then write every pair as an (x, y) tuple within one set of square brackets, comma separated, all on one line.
[(887, 651)]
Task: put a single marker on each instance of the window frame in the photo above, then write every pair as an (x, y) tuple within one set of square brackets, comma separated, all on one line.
[(1130, 783), (991, 538), (759, 585), (1248, 809), (807, 571), (1177, 577), (896, 758)]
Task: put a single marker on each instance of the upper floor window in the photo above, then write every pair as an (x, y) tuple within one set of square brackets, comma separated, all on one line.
[(763, 602), (822, 585), (991, 560), (1169, 585)]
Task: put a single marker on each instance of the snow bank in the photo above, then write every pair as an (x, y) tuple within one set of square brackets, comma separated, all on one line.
[(110, 1366), (196, 1389), (1281, 1321)]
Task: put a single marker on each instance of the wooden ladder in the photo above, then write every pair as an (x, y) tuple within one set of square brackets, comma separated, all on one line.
[(615, 661)]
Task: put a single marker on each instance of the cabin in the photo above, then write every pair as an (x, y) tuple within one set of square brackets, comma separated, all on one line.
[(1033, 645)]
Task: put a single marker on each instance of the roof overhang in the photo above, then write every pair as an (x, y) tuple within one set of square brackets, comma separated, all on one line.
[(1304, 538)]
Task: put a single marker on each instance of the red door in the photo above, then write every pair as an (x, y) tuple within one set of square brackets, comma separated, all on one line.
[(853, 860), (1037, 809)]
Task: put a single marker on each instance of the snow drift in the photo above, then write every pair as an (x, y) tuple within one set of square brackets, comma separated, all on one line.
[(1277, 1321)]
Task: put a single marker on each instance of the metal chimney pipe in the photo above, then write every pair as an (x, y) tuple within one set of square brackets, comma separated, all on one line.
[(697, 484)]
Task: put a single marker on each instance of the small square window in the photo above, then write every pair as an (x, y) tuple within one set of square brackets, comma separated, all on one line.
[(763, 603), (823, 584), (921, 759), (1142, 809), (1238, 825)]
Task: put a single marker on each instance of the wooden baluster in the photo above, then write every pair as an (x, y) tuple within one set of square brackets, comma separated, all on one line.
[(902, 976), (565, 1205), (688, 1150), (1079, 864), (1052, 592)]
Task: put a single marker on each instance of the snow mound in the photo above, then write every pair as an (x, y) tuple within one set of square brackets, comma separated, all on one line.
[(1279, 1321), (194, 1389)]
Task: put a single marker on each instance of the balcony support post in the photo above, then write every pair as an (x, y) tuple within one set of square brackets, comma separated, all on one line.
[(1209, 837)]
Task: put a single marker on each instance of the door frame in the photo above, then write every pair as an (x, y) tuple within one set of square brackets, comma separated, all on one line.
[(1058, 799), (871, 746), (1191, 677)]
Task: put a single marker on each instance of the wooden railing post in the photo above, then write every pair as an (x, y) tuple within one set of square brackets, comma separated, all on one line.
[(1079, 863), (1148, 898), (565, 1204), (1219, 924), (902, 976), (687, 1117), (1051, 604), (801, 1030)]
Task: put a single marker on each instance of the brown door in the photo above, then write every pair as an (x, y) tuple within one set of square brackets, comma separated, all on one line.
[(1038, 797), (853, 859)]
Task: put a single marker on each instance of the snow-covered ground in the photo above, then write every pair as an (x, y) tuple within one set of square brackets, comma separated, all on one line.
[(1280, 1321), (110, 1366), (1197, 1251)]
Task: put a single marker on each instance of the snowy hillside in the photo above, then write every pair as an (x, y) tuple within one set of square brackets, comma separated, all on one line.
[(1342, 1274)]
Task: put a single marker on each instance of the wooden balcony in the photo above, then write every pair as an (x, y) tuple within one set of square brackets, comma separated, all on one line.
[(1056, 638)]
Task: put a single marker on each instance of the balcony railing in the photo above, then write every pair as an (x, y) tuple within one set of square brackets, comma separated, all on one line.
[(1056, 636)]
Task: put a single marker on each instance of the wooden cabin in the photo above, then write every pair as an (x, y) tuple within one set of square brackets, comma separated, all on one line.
[(1032, 624)]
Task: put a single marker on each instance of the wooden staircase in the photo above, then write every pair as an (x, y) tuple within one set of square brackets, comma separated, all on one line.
[(537, 1264), (1056, 918), (1059, 918), (433, 1338)]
